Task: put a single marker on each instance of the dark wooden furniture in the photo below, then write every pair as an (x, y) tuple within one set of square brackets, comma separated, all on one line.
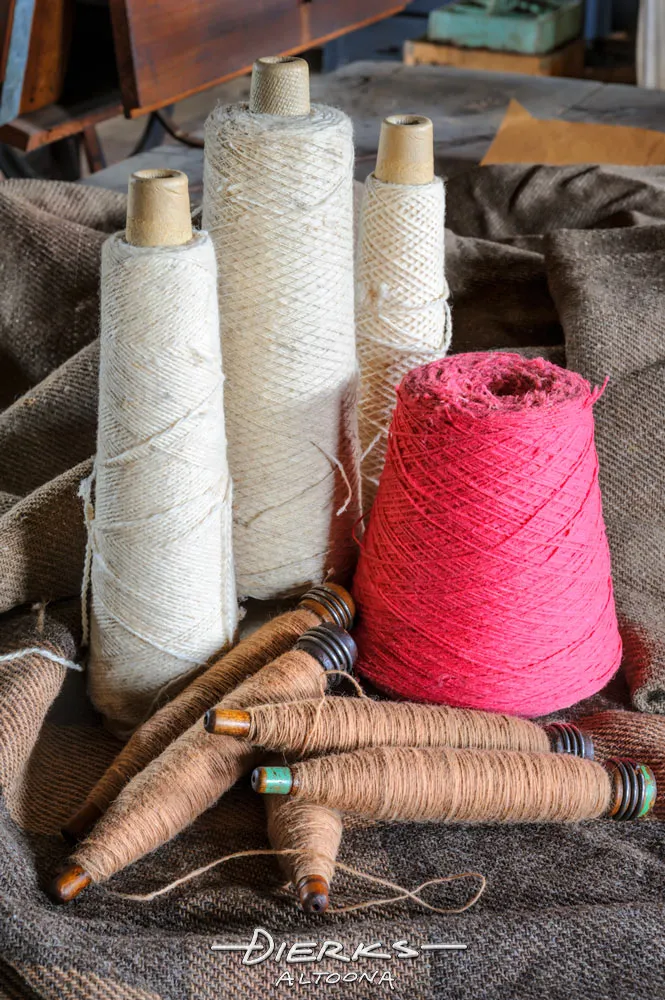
[(69, 64), (168, 49)]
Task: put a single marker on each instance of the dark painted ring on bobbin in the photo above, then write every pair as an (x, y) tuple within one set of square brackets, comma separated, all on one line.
[(565, 737), (332, 646), (634, 788), (332, 602)]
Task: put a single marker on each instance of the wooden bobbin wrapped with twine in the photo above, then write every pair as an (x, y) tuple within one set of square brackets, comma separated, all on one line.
[(278, 204), (402, 314), (343, 724), (466, 786), (194, 771), (159, 560), (329, 602), (315, 833)]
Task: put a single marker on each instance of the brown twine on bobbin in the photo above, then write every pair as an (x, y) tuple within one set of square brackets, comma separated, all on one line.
[(327, 602), (456, 786), (311, 834), (194, 771), (336, 725)]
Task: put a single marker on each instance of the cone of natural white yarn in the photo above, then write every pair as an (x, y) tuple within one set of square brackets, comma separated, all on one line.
[(160, 556), (278, 206), (402, 314)]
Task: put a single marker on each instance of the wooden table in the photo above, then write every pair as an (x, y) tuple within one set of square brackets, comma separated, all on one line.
[(465, 106)]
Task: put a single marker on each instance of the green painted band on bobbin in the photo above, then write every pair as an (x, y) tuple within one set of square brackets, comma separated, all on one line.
[(276, 780), (650, 789)]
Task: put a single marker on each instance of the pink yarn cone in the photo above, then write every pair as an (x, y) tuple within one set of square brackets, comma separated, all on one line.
[(484, 578)]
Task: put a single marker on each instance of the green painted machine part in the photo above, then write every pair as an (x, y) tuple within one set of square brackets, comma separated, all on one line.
[(532, 27)]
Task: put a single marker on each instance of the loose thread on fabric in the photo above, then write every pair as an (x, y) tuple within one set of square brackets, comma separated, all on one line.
[(19, 654), (402, 892)]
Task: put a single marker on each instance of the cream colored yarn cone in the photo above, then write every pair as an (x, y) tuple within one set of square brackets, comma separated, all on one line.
[(278, 205), (159, 528), (402, 314)]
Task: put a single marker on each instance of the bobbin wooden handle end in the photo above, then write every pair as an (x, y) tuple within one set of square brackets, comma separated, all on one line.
[(406, 150), (227, 722), (272, 780), (313, 893), (158, 210), (68, 884), (332, 603), (634, 788), (332, 647), (565, 737), (280, 86), (81, 823)]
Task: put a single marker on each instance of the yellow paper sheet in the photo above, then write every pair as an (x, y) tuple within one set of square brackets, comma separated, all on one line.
[(524, 139)]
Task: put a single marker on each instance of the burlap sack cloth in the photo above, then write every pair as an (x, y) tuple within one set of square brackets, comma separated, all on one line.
[(574, 911)]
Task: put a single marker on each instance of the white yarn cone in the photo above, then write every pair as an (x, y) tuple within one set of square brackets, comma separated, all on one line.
[(278, 204), (161, 570), (402, 313)]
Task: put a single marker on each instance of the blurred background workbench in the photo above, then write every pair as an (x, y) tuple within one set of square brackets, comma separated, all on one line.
[(466, 107), (69, 69)]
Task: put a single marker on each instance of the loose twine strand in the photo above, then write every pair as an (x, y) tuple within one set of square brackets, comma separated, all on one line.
[(18, 654), (278, 205), (402, 314), (402, 893)]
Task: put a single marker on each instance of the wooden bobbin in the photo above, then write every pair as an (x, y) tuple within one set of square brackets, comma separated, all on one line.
[(406, 150), (328, 644), (633, 786), (158, 210), (328, 601), (280, 86)]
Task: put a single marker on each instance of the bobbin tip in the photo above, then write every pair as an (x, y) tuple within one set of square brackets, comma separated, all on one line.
[(158, 210), (272, 780), (406, 150), (81, 823), (313, 893), (332, 603), (68, 884), (280, 86), (227, 722)]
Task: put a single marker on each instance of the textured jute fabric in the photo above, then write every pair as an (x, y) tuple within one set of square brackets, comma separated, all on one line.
[(569, 911)]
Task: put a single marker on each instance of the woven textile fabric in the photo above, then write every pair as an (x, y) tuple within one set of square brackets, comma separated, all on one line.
[(564, 262)]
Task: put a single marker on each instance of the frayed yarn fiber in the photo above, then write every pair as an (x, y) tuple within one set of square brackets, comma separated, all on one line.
[(484, 579)]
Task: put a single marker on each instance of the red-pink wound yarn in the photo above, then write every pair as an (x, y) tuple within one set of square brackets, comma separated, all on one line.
[(484, 576)]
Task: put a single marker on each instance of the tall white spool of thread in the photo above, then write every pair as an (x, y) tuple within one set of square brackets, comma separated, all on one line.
[(159, 536), (278, 204), (402, 314)]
